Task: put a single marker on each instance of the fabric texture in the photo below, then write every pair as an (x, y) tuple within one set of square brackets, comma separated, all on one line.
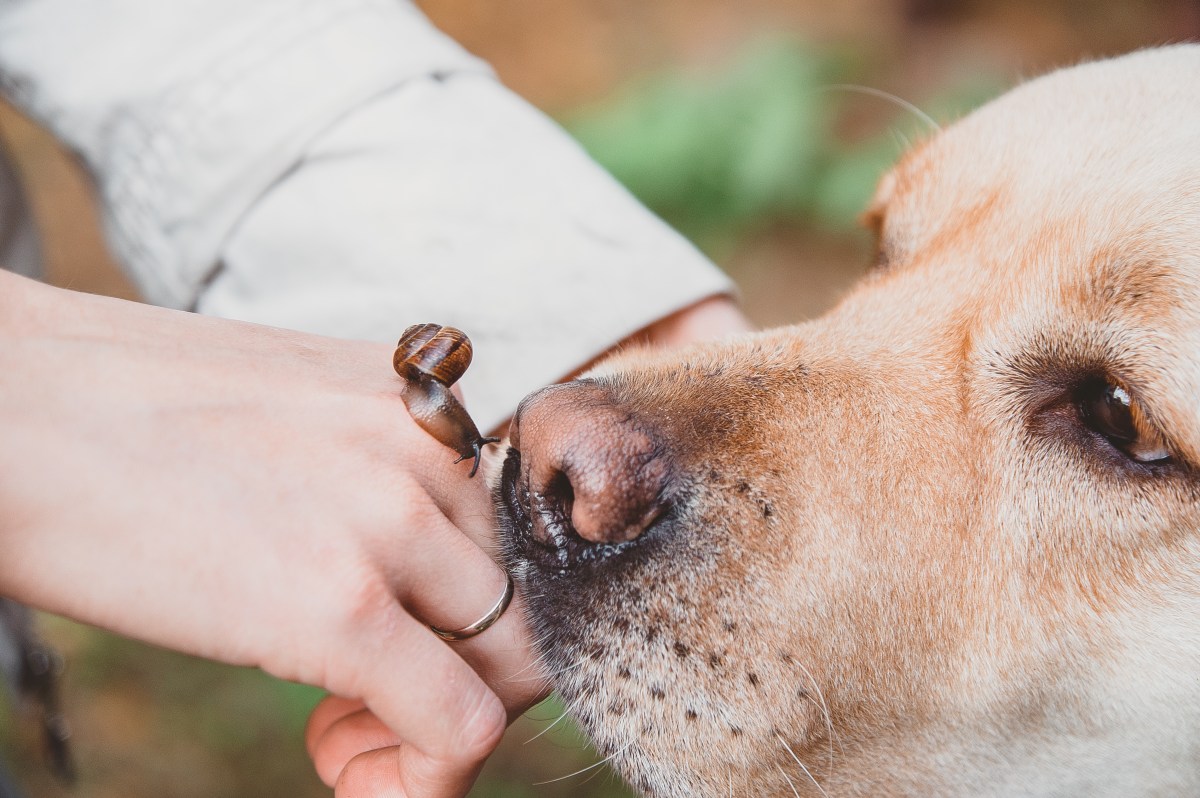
[(341, 167)]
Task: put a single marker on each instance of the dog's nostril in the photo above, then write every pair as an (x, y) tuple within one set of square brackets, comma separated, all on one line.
[(550, 508), (592, 470)]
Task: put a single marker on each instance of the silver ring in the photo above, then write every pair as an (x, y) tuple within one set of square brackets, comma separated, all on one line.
[(483, 623)]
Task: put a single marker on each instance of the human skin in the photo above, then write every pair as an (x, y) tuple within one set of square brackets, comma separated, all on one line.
[(354, 750), (261, 497)]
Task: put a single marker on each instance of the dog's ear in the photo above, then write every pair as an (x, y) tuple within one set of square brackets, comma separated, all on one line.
[(876, 213), (872, 218)]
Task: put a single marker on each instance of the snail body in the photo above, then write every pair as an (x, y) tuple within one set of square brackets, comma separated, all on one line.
[(431, 358)]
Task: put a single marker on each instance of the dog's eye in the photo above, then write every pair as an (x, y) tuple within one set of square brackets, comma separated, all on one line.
[(1107, 409)]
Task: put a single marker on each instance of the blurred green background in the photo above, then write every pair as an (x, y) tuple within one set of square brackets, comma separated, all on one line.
[(737, 121)]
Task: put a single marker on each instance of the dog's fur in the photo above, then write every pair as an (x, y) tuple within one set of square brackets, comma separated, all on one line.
[(904, 562)]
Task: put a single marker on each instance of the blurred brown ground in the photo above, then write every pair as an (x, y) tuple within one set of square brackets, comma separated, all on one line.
[(137, 733)]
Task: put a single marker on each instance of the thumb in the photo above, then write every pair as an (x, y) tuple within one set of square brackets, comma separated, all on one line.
[(449, 719)]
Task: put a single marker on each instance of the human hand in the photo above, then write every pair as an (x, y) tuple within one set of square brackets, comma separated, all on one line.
[(259, 497), (351, 747)]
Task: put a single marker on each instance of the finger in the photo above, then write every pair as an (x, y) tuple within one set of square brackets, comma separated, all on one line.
[(445, 580), (432, 699), (346, 738), (396, 772), (327, 712), (466, 501), (440, 576), (505, 656), (373, 774)]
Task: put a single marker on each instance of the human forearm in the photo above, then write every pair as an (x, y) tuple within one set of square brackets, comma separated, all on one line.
[(257, 496)]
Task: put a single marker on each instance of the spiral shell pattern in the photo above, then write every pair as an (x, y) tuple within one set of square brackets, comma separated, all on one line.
[(431, 350)]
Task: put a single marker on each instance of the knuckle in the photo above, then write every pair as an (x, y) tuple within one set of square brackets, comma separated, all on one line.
[(361, 617), (474, 729), (364, 602), (356, 610)]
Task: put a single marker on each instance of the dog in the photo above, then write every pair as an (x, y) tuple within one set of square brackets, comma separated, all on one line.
[(942, 541)]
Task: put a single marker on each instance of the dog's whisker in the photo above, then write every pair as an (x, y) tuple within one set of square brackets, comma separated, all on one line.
[(539, 661), (594, 775), (731, 774), (823, 705), (554, 674), (592, 766), (786, 778), (903, 142), (539, 643), (800, 764), (889, 97), (557, 720)]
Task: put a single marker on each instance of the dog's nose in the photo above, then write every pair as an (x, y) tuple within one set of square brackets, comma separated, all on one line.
[(589, 467)]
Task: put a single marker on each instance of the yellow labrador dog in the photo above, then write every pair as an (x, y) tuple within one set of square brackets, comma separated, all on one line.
[(944, 541)]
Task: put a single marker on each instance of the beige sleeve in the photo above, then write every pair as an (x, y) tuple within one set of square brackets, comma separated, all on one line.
[(450, 200), (342, 167)]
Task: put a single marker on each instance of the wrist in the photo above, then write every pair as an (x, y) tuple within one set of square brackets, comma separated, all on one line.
[(709, 319), (23, 303), (706, 320), (12, 298)]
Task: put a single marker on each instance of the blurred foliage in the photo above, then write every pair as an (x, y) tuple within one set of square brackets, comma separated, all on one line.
[(154, 722), (720, 155), (144, 715)]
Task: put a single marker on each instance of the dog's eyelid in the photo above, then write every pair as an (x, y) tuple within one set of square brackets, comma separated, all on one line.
[(1165, 418), (1132, 428), (1151, 446)]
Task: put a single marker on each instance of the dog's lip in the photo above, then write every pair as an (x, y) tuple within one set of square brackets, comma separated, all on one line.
[(519, 524), (515, 514)]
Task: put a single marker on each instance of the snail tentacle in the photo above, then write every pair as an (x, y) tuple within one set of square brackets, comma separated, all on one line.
[(477, 454)]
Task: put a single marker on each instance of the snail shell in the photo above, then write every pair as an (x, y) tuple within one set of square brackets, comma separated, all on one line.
[(431, 358), (441, 353)]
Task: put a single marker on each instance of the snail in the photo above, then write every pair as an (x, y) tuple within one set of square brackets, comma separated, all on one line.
[(431, 358)]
